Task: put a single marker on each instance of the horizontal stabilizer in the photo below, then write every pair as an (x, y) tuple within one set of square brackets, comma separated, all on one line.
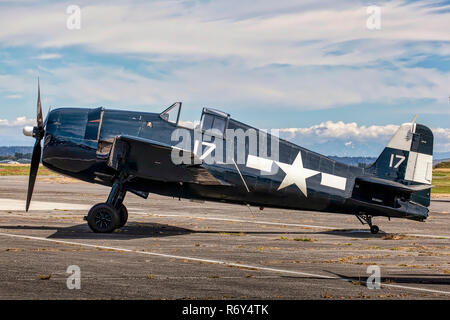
[(396, 185)]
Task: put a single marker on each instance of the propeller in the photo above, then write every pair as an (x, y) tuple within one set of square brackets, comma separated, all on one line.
[(38, 133)]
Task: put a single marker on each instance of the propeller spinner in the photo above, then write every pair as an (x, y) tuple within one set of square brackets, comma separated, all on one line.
[(38, 133)]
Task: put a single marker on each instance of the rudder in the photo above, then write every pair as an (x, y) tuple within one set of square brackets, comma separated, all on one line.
[(408, 159)]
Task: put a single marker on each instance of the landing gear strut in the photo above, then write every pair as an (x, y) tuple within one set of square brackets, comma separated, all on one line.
[(367, 219), (106, 217)]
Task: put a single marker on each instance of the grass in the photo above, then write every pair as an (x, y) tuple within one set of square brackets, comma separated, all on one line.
[(296, 239), (395, 236), (441, 181), (22, 170), (326, 295), (303, 239)]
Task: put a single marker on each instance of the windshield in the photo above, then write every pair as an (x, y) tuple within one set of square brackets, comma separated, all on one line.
[(172, 113)]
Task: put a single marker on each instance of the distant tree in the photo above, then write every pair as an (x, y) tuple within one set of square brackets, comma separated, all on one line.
[(443, 165), (19, 155), (7, 158)]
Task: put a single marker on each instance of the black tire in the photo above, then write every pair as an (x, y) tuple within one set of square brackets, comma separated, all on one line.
[(103, 218), (374, 229), (123, 214)]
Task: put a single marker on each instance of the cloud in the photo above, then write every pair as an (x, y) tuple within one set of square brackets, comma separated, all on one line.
[(12, 83), (283, 32), (48, 56), (228, 86), (357, 137), (14, 96), (11, 132), (286, 54), (343, 131), (442, 139), (189, 124), (308, 55), (18, 122)]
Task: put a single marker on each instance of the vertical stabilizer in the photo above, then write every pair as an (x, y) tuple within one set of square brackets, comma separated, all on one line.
[(408, 159)]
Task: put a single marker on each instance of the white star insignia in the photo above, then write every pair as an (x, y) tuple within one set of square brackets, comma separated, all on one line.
[(296, 174)]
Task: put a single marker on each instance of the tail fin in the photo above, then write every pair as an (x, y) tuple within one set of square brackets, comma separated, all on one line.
[(408, 159)]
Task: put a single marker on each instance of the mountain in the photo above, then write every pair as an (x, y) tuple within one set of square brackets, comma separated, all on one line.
[(354, 161), (441, 155), (11, 151)]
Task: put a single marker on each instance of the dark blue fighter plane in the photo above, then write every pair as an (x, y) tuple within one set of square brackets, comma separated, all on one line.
[(136, 152)]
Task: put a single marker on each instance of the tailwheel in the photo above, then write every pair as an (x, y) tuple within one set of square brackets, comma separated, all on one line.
[(374, 229), (103, 218), (367, 219), (123, 214)]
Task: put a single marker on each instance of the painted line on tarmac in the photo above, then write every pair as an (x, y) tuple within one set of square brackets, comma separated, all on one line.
[(241, 220), (19, 205), (283, 224), (211, 261)]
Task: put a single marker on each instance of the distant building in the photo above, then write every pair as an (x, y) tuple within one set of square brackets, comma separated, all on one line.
[(9, 162)]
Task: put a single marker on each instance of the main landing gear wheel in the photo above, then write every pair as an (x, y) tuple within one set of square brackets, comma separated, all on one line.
[(123, 213), (106, 217), (103, 218), (374, 229)]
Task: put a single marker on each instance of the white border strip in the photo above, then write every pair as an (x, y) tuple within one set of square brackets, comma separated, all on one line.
[(218, 262)]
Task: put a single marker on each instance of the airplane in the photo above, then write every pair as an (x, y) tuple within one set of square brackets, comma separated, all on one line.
[(136, 152)]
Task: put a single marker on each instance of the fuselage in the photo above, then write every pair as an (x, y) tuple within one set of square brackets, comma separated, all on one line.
[(77, 142)]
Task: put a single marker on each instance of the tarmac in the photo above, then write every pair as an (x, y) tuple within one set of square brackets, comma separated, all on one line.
[(172, 249)]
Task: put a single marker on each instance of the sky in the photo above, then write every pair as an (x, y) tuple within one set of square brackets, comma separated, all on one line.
[(317, 70)]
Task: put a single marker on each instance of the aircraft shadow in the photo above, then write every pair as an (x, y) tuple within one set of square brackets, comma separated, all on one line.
[(133, 230), (354, 233), (418, 279), (435, 279)]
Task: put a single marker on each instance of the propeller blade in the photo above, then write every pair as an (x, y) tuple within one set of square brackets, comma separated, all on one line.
[(46, 117), (39, 118), (38, 133), (35, 160)]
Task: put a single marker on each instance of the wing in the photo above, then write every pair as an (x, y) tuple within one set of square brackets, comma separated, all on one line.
[(151, 159)]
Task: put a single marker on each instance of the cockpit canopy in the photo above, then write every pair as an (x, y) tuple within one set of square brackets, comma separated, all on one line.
[(211, 119), (214, 120)]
